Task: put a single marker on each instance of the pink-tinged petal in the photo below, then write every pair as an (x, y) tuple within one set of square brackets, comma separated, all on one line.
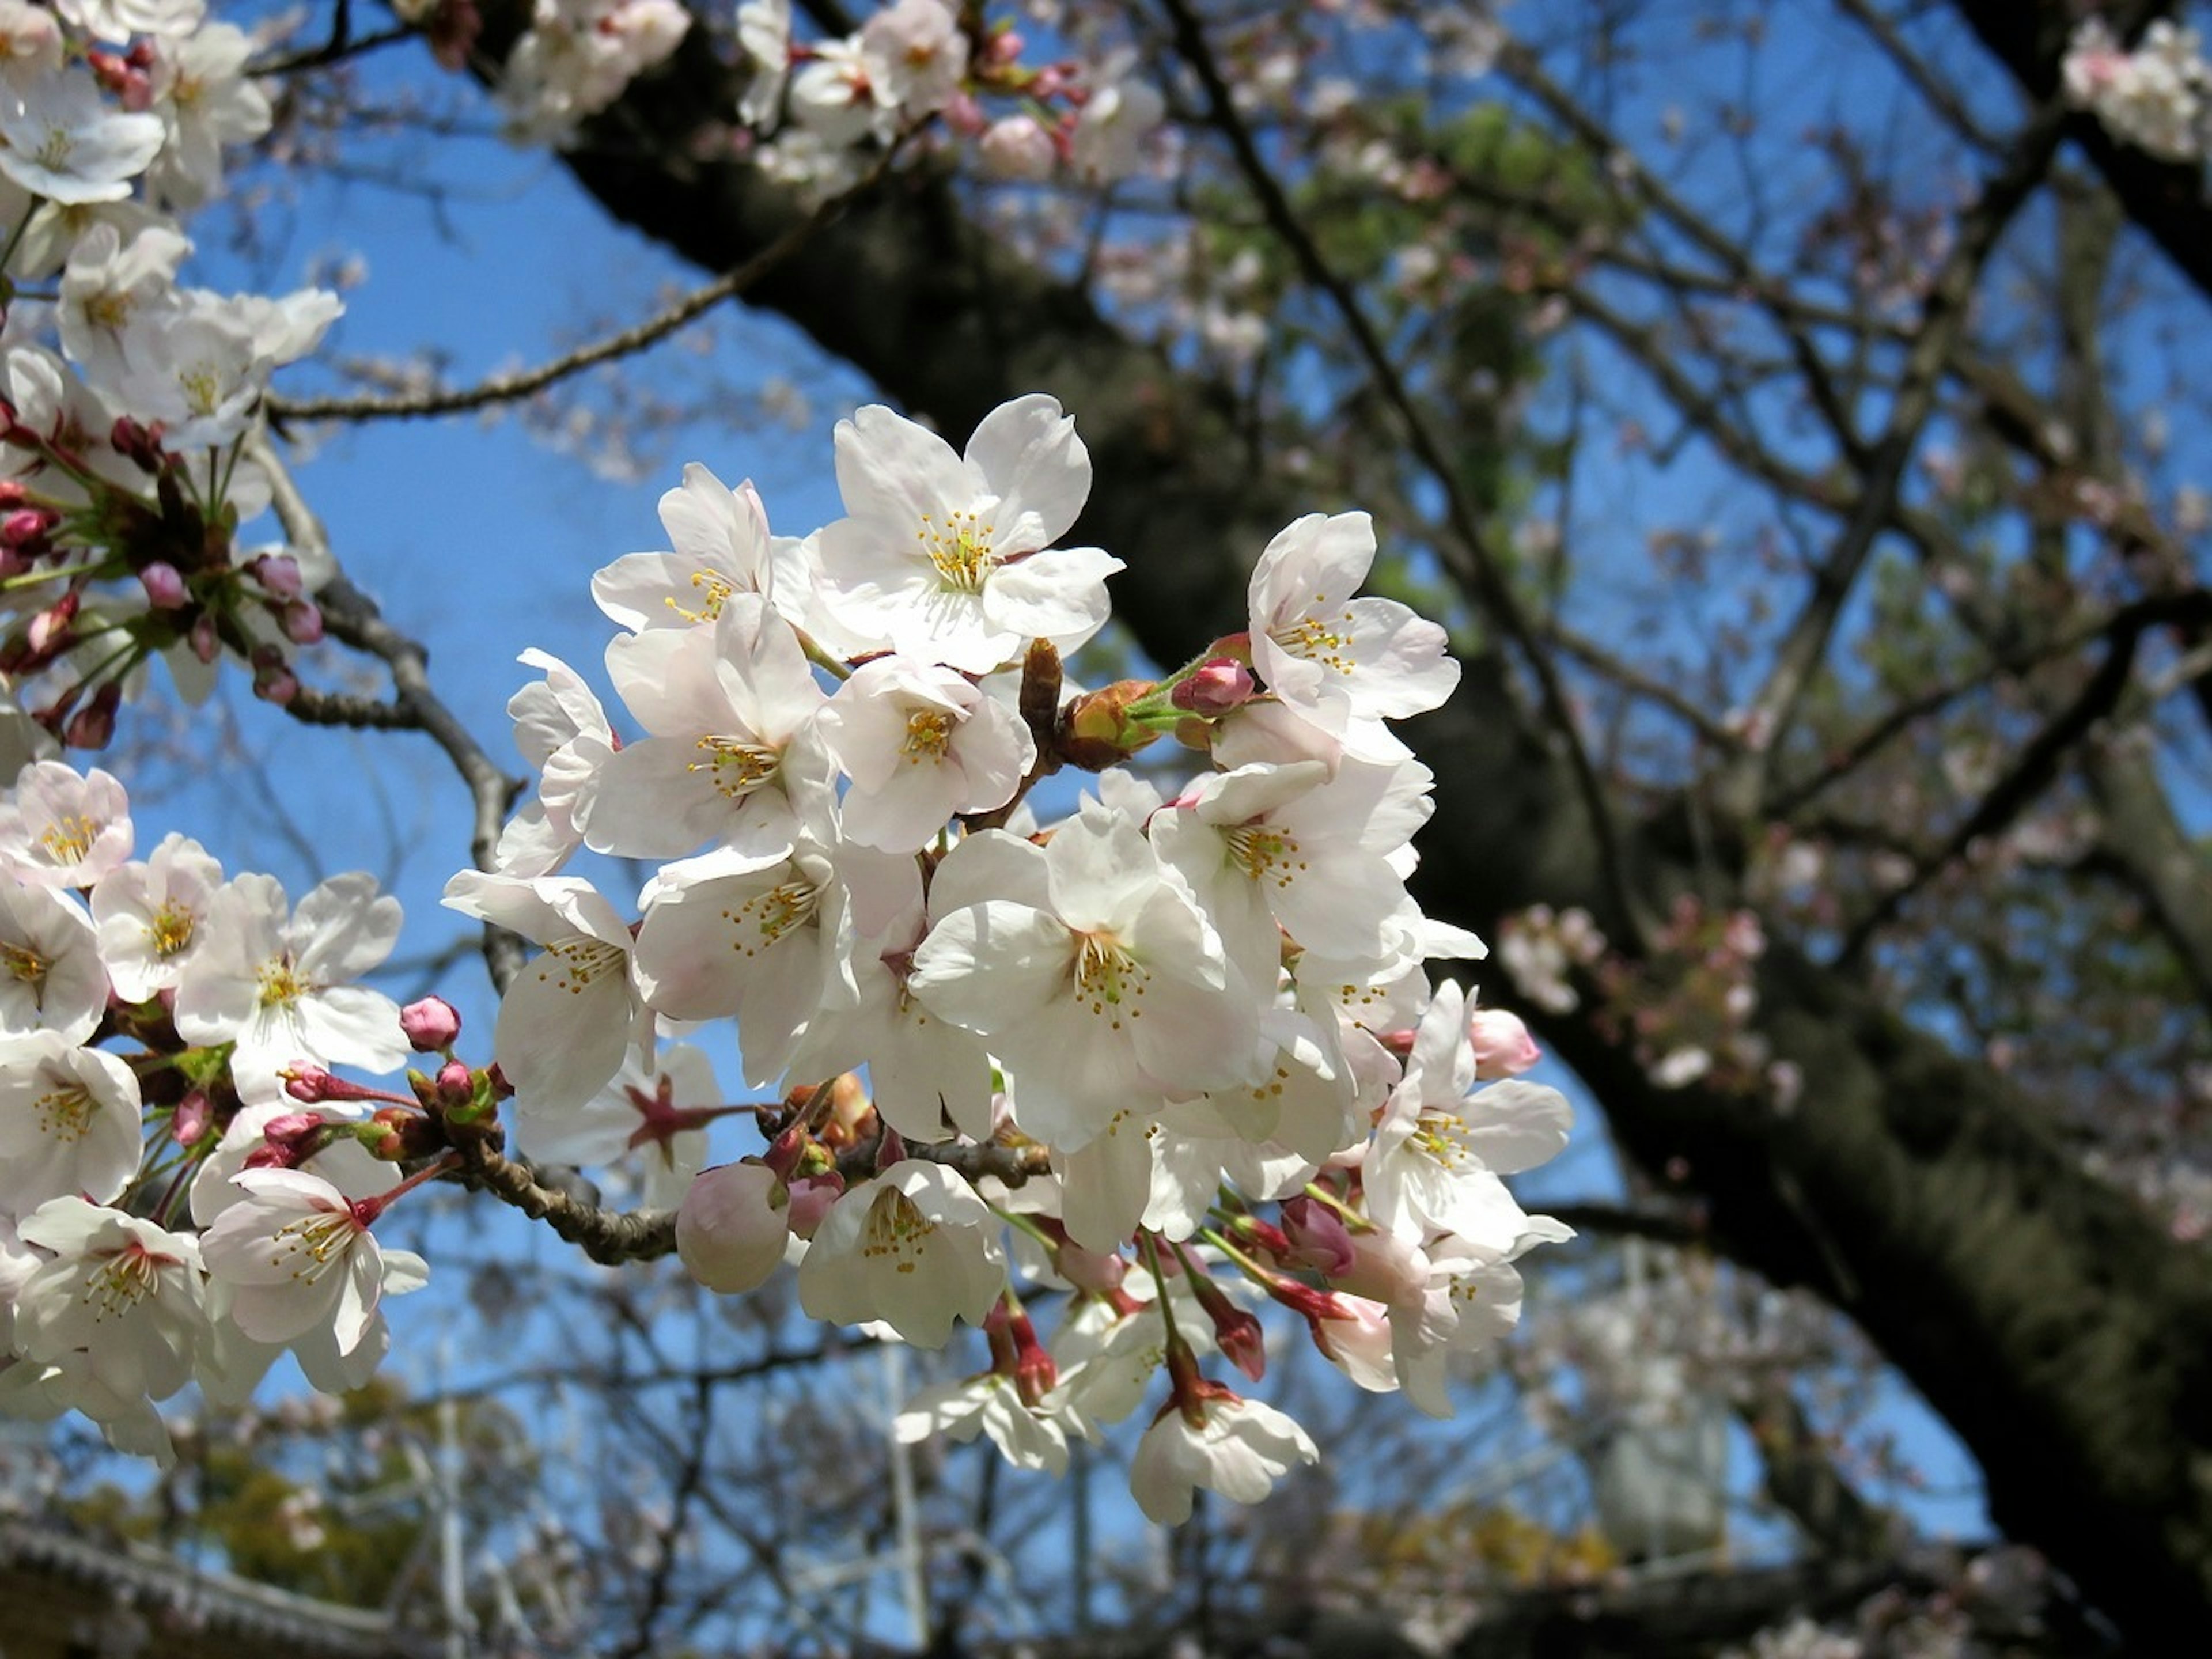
[(1109, 1183), (1513, 1126), (565, 1024), (359, 1283), (1031, 459), (1318, 562), (1404, 663), (891, 469), (992, 966), (991, 864), (1059, 594), (669, 678)]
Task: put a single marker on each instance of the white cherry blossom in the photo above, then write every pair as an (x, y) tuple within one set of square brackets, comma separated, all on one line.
[(61, 829), (921, 743), (914, 1249), (950, 557), (1239, 1448), (297, 1255), (69, 1122)]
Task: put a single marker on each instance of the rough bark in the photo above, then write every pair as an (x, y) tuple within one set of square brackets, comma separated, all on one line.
[(2059, 1332)]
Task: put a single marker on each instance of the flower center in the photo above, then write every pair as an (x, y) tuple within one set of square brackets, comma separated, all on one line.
[(281, 984), (713, 591), (896, 1232), (1265, 854), (25, 963), (765, 918), (54, 153), (928, 735), (734, 766), (309, 1247), (1107, 975), (65, 1114), (68, 838), (203, 388), (170, 930), (580, 959), (1318, 641), (960, 548), (125, 1279), (1439, 1135)]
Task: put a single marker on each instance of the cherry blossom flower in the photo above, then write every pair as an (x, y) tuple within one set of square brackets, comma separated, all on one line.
[(1239, 1448), (297, 1256), (277, 982), (50, 974), (921, 743), (116, 1309), (60, 829), (1344, 664), (731, 759), (733, 1227), (914, 1249), (150, 916), (62, 141), (637, 1111), (950, 558), (573, 1013), (564, 733), (69, 1122), (1028, 1437), (1089, 971)]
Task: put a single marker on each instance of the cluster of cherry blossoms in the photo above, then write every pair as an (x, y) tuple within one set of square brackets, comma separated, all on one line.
[(824, 102), (1181, 1045), (157, 1224), (125, 397), (2153, 97)]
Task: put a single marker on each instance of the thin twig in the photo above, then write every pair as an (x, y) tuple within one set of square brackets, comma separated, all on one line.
[(1474, 563), (509, 388), (351, 617)]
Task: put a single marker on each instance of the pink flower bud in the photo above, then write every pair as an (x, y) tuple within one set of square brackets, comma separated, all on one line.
[(1319, 1239), (194, 1117), (164, 584), (139, 444), (278, 685), (205, 639), (1017, 146), (457, 1085), (302, 622), (431, 1026), (1242, 1342), (1215, 688), (732, 1227), (964, 115), (1503, 1047), (311, 1085), (810, 1198), (49, 631), (1004, 48), (25, 525), (92, 727), (278, 574), (1088, 1270)]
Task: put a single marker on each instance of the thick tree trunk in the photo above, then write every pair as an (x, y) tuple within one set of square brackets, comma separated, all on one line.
[(2060, 1333)]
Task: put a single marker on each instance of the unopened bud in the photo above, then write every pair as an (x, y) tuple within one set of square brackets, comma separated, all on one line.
[(311, 1085), (397, 1135), (1214, 687), (137, 443), (278, 574), (302, 622), (457, 1085), (1503, 1047), (278, 685), (164, 584), (431, 1025), (92, 727), (194, 1117), (27, 527), (205, 639), (1318, 1237), (733, 1227)]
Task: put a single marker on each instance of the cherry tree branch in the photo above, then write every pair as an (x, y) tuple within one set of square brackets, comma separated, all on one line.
[(623, 343)]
